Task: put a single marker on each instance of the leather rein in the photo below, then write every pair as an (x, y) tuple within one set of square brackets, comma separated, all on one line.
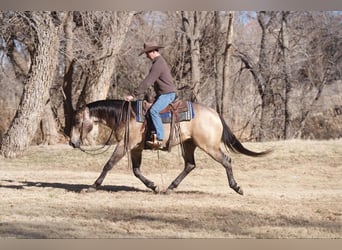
[(126, 135)]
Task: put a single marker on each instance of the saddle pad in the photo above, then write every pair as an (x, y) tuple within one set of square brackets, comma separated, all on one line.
[(166, 117)]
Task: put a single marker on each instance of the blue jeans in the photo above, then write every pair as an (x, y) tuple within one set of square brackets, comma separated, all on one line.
[(161, 103)]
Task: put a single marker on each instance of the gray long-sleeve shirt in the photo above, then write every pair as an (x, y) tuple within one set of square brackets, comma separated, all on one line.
[(160, 76)]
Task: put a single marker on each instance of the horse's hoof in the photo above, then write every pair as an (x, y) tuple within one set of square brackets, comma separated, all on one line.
[(156, 190), (166, 192), (239, 190), (91, 190)]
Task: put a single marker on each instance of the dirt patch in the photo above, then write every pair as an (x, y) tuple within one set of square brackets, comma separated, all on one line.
[(293, 193)]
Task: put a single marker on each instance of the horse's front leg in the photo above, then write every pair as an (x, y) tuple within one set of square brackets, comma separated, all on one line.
[(136, 162), (117, 155)]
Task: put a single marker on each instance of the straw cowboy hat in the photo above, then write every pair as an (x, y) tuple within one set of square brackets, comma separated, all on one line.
[(150, 46)]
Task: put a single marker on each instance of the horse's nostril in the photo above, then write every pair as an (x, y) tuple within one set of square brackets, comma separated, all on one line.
[(74, 145)]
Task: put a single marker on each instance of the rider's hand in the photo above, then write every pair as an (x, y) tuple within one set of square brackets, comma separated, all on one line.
[(129, 98)]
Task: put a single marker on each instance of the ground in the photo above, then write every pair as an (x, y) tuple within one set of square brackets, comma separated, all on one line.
[(295, 192)]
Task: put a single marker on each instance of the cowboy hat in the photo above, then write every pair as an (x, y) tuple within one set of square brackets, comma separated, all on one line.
[(150, 46)]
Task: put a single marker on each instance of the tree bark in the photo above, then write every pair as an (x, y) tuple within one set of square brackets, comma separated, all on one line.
[(68, 73), (192, 22), (218, 62), (268, 80), (286, 72), (49, 126), (100, 71), (35, 95), (226, 86), (271, 89)]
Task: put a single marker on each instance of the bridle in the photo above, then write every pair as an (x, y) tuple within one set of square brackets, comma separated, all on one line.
[(94, 151), (126, 135)]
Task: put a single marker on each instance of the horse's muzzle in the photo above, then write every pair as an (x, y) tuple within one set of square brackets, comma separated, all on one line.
[(75, 144)]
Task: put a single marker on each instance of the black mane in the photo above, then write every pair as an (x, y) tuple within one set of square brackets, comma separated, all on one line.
[(111, 110)]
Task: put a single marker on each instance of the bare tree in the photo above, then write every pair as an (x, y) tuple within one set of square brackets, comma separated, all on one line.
[(218, 60), (46, 29), (106, 32), (193, 23), (222, 57), (267, 78), (319, 55), (226, 85), (69, 62), (284, 46), (272, 85), (132, 68)]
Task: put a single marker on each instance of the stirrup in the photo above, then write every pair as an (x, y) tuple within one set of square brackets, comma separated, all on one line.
[(155, 144)]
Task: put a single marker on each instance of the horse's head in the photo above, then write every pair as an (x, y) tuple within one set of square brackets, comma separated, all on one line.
[(82, 125)]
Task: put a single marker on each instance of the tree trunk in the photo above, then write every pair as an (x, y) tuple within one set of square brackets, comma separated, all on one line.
[(286, 72), (271, 91), (218, 67), (268, 80), (100, 71), (192, 22), (68, 73), (49, 126), (226, 86), (35, 95)]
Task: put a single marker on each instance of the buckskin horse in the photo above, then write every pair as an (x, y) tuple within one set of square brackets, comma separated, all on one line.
[(206, 130)]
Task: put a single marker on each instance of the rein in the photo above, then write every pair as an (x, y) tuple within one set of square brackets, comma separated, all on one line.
[(126, 136), (91, 151), (127, 146)]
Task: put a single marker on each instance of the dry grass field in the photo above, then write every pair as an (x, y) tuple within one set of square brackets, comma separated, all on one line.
[(295, 192)]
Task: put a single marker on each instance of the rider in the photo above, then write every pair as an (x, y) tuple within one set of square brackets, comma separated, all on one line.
[(164, 87)]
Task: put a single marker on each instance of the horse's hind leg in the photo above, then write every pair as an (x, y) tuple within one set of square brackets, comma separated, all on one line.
[(136, 161), (189, 160), (225, 160), (117, 155)]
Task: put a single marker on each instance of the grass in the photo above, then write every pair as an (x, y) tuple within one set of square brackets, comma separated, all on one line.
[(294, 192)]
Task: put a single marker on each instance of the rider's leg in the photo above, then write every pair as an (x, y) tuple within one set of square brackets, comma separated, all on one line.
[(161, 103)]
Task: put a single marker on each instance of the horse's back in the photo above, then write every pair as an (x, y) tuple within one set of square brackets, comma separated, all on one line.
[(205, 127)]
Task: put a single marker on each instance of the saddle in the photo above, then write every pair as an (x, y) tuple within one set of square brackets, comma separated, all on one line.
[(177, 111), (183, 111)]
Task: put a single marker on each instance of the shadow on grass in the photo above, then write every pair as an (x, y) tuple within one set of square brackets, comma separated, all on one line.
[(223, 221), (77, 188)]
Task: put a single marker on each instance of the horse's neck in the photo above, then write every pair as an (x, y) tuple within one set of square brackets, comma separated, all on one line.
[(108, 116), (100, 117)]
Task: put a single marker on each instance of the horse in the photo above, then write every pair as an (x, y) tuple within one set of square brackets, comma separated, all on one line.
[(207, 131)]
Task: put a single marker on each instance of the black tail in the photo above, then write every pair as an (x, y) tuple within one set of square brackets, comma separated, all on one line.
[(229, 139)]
